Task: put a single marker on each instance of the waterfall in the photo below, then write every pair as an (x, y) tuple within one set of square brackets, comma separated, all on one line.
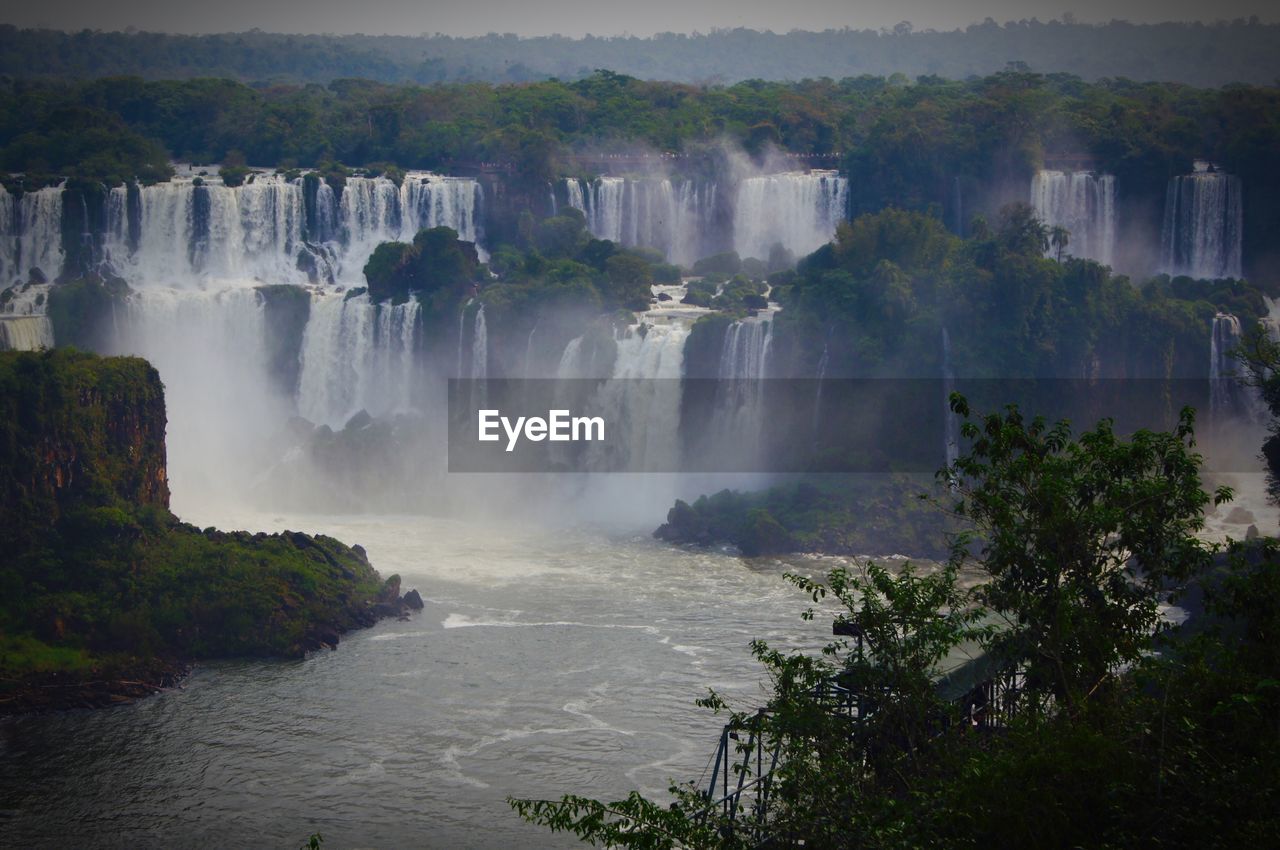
[(1203, 221), (951, 428), (1226, 396), (824, 361), (737, 423), (674, 217), (30, 234), (211, 351), (25, 333), (1082, 202), (528, 351), (356, 356), (211, 235), (480, 347), (799, 210), (641, 400)]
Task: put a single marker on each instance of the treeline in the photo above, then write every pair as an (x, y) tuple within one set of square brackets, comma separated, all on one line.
[(907, 144), (1194, 53)]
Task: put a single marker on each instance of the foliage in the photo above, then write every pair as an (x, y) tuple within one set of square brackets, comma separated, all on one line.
[(435, 263), (1179, 747), (835, 514), (96, 571), (1080, 539), (1259, 356), (1236, 51)]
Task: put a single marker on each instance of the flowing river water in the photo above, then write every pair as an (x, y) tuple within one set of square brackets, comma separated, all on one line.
[(546, 661)]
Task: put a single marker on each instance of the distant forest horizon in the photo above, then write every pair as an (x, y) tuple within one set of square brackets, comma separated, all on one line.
[(1194, 53)]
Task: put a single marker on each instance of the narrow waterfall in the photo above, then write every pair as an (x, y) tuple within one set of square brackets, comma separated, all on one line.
[(799, 210), (643, 395), (737, 421), (25, 333), (824, 361), (30, 234), (1082, 202), (951, 428), (1203, 222), (1226, 394), (8, 246), (356, 356), (480, 347)]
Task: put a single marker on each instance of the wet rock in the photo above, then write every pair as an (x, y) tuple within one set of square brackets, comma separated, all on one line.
[(413, 599)]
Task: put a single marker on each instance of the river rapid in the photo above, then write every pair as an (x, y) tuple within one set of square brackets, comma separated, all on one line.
[(546, 661)]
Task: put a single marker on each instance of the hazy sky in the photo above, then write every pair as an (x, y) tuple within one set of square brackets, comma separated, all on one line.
[(576, 17)]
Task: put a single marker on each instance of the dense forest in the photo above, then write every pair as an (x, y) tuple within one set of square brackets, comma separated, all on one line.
[(901, 143), (1238, 51)]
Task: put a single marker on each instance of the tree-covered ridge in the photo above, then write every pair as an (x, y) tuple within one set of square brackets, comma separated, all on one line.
[(931, 123), (901, 143), (99, 579), (883, 291), (1195, 53)]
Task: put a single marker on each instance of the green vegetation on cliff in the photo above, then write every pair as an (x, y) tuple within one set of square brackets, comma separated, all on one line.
[(826, 514), (98, 578)]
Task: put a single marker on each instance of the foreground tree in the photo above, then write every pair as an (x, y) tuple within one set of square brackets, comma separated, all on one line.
[(1080, 539), (878, 741)]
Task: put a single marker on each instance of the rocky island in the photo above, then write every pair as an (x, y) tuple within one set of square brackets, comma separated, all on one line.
[(105, 595)]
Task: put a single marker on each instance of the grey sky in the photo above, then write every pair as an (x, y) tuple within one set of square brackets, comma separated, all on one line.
[(605, 17)]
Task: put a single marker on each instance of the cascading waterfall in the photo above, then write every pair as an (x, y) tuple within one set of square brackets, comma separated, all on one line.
[(25, 333), (210, 235), (356, 356), (30, 234), (799, 210), (480, 347), (211, 351), (674, 217), (1082, 202), (737, 423), (1227, 398), (643, 395), (1203, 222)]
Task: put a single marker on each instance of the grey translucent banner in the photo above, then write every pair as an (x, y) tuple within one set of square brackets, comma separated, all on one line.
[(786, 425)]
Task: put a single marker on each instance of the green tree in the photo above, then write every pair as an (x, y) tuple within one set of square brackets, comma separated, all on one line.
[(1079, 540)]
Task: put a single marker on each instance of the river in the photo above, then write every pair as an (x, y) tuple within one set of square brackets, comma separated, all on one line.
[(546, 661)]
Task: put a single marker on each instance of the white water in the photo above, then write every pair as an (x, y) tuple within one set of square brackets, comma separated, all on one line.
[(25, 333), (642, 397), (30, 234), (1203, 221), (737, 424), (356, 356), (1082, 202), (674, 217), (799, 210), (546, 661), (214, 236), (210, 350)]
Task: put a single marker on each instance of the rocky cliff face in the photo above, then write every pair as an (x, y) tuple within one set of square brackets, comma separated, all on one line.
[(78, 430), (104, 594)]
